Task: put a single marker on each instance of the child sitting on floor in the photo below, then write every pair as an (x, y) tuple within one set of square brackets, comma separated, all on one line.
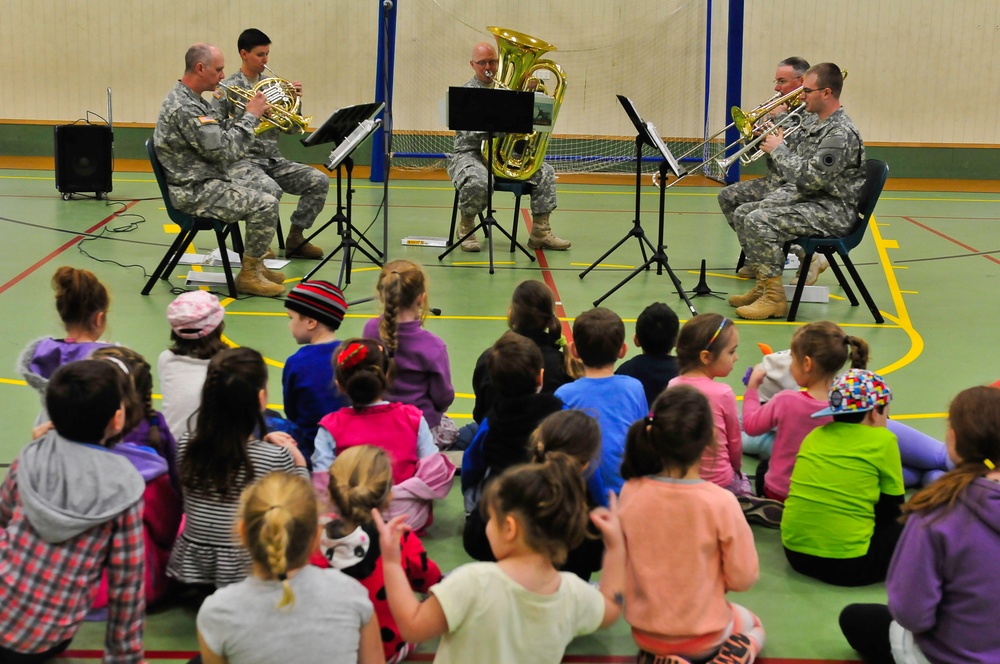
[(655, 334)]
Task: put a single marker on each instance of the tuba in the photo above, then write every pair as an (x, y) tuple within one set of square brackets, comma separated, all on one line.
[(519, 156), (284, 101)]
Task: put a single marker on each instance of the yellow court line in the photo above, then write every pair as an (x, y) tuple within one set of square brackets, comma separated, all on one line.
[(483, 263), (920, 416), (627, 267), (464, 395), (12, 381), (903, 317)]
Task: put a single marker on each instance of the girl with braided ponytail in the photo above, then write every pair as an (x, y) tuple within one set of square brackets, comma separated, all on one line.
[(423, 371), (700, 548), (221, 457), (286, 610), (362, 371), (942, 581), (519, 609), (360, 481)]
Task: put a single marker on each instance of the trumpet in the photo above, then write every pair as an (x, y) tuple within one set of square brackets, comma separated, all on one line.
[(751, 151), (284, 104)]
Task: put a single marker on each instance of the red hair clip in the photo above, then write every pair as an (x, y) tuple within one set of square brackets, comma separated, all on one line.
[(351, 355)]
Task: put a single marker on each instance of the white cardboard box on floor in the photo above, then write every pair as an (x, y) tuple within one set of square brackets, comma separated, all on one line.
[(819, 294)]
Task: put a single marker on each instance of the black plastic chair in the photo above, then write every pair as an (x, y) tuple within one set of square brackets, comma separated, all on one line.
[(876, 172), (190, 225), (515, 187)]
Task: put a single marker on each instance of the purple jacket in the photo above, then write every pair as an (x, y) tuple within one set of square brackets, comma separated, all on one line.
[(423, 373), (943, 581)]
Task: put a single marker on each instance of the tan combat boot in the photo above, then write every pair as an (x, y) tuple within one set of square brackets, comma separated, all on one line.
[(541, 235), (251, 279), (471, 243), (772, 304), (273, 276), (748, 298), (817, 265), (297, 247)]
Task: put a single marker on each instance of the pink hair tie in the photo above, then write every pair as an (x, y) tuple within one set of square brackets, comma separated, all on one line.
[(351, 355)]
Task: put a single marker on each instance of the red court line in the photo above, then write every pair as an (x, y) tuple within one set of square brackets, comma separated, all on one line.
[(61, 249), (950, 239), (549, 281)]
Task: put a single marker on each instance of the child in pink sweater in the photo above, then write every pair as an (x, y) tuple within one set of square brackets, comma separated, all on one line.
[(706, 350), (679, 572), (819, 351)]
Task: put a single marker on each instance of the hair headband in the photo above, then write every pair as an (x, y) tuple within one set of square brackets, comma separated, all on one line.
[(115, 360), (717, 332)]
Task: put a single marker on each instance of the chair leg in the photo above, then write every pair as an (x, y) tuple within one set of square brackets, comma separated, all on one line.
[(170, 259), (864, 290), (800, 285), (842, 279), (741, 261), (281, 236), (233, 230), (220, 236)]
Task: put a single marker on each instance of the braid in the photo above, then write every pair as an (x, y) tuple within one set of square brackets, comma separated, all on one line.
[(274, 537), (389, 325)]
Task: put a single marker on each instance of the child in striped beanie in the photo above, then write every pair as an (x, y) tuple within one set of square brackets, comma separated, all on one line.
[(315, 311)]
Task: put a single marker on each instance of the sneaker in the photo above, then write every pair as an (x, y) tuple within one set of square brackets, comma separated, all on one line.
[(734, 650), (762, 511), (646, 657)]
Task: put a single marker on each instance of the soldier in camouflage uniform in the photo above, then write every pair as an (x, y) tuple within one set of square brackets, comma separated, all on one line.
[(195, 153), (821, 178), (263, 167), (787, 78), (467, 170)]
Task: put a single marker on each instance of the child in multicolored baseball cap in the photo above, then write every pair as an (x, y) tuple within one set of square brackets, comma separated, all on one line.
[(840, 521)]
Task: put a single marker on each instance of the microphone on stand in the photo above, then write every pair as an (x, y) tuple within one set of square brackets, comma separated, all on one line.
[(436, 311)]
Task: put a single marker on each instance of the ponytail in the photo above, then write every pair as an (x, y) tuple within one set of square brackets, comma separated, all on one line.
[(360, 481), (675, 434), (549, 499)]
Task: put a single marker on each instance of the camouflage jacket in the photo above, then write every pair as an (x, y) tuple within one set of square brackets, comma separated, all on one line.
[(265, 146), (191, 144), (808, 120), (826, 164)]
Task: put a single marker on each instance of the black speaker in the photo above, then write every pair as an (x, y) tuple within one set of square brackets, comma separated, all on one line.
[(83, 159)]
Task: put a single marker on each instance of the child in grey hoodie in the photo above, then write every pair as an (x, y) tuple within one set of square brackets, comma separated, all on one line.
[(69, 509)]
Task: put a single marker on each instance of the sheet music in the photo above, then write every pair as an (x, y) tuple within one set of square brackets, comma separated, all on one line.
[(352, 141), (664, 150)]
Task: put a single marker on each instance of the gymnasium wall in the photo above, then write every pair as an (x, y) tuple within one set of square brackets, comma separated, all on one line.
[(918, 69)]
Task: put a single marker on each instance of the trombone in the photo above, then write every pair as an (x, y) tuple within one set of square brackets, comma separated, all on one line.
[(751, 151)]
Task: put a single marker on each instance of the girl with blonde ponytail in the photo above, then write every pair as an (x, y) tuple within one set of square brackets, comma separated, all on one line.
[(286, 610), (942, 581), (360, 481), (423, 371)]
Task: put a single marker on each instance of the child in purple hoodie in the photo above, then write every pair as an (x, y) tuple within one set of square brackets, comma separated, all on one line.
[(82, 302), (942, 581)]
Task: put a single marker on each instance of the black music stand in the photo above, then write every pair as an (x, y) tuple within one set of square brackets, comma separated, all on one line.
[(492, 111), (646, 134), (347, 128)]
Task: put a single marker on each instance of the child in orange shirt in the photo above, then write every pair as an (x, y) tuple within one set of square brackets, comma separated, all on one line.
[(680, 571)]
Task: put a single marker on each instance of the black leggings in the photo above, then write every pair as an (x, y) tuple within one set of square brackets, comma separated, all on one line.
[(862, 571), (11, 657), (866, 628)]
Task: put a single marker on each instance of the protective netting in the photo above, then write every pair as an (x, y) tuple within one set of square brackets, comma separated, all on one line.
[(651, 51)]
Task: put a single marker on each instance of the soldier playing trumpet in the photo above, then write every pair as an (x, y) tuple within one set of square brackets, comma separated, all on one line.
[(821, 178)]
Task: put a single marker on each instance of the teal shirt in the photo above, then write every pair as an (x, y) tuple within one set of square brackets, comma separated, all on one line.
[(839, 473)]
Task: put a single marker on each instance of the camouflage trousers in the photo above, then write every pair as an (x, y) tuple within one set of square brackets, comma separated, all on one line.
[(763, 228), (747, 191), (468, 173), (230, 202), (283, 176)]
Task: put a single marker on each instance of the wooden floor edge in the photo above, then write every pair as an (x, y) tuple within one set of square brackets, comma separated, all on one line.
[(624, 179)]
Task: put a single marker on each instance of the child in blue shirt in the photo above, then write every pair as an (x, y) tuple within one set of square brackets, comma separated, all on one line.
[(616, 401), (315, 311)]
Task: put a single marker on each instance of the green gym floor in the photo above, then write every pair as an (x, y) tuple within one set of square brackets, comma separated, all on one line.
[(929, 261)]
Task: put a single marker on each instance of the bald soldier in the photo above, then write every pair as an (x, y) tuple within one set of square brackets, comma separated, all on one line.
[(467, 170), (196, 154)]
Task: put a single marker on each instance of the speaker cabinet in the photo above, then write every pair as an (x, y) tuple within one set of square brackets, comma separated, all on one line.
[(83, 159)]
